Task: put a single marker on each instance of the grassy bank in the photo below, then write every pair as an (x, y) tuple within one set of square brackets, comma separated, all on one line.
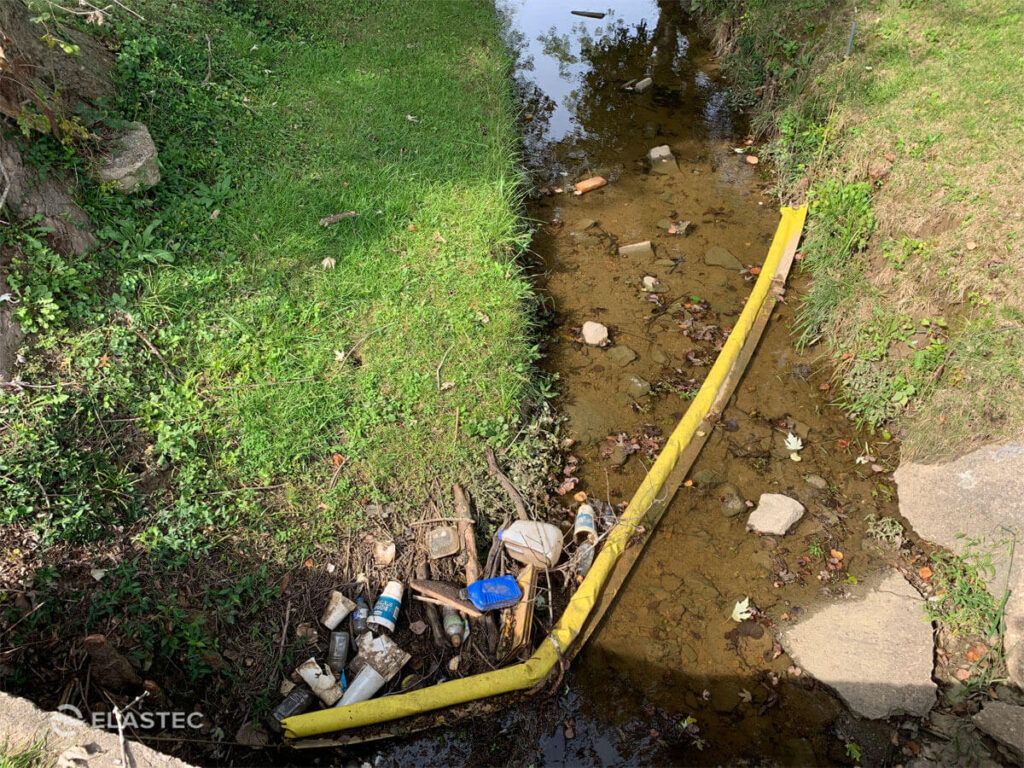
[(905, 151), (222, 387)]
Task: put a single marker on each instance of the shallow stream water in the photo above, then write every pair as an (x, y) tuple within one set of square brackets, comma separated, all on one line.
[(669, 676)]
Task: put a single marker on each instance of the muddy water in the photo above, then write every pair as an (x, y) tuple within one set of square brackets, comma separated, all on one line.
[(670, 677)]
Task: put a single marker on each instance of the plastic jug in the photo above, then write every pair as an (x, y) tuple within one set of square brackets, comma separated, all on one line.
[(533, 543)]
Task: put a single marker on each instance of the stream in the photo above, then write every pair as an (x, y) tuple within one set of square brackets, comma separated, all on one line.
[(670, 677)]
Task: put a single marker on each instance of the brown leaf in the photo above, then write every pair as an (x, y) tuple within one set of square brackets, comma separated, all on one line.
[(418, 627), (752, 160), (976, 652), (326, 221), (962, 675), (925, 573)]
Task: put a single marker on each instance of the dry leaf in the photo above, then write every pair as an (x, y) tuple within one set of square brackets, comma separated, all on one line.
[(976, 652), (418, 627), (925, 573), (752, 160)]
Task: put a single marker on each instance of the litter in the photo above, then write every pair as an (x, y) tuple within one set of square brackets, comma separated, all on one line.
[(533, 543), (589, 185), (494, 594), (385, 610), (337, 609)]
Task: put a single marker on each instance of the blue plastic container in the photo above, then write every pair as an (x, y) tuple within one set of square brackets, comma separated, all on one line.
[(494, 594)]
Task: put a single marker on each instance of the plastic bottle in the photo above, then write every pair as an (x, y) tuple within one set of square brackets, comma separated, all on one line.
[(533, 543), (584, 533), (296, 702), (359, 617), (385, 610), (337, 651), (453, 625)]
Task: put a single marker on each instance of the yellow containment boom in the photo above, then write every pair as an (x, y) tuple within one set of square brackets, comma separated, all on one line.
[(558, 646)]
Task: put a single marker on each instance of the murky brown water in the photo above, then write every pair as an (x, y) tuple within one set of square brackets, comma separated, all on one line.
[(670, 677)]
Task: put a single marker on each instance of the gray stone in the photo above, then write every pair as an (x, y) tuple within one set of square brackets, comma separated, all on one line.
[(817, 481), (875, 652), (584, 225), (594, 334), (131, 163), (978, 497), (668, 197), (717, 256), (1004, 723), (621, 355), (658, 356), (662, 160), (664, 262), (618, 456), (730, 499), (775, 514), (587, 422), (665, 224), (705, 477), (642, 249), (635, 387)]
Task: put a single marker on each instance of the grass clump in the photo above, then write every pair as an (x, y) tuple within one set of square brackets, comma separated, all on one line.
[(26, 756), (962, 604)]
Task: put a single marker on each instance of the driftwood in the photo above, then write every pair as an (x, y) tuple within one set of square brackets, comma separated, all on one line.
[(504, 482)]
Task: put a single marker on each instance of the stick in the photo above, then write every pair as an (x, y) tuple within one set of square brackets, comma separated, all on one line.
[(209, 61), (472, 561), (7, 183), (423, 571), (504, 482), (437, 371)]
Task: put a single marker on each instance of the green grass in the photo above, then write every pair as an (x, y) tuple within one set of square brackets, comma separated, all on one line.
[(963, 605), (26, 756), (222, 339), (905, 151), (225, 382)]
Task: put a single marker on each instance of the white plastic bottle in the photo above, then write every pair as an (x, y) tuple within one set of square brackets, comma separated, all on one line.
[(533, 543), (385, 610)]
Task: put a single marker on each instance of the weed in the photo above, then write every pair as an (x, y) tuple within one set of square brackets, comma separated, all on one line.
[(31, 755), (962, 604), (887, 529), (815, 550)]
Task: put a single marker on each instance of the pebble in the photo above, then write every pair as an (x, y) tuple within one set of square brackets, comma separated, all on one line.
[(594, 334), (717, 256), (621, 355), (618, 456), (635, 386), (775, 514), (731, 500), (658, 356), (817, 481)]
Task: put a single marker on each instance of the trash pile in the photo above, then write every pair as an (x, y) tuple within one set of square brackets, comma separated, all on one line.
[(489, 616)]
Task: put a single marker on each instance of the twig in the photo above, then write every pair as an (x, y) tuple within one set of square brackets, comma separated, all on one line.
[(247, 488), (209, 61), (442, 520), (359, 343), (551, 594), (155, 351), (125, 8), (437, 372), (120, 727), (284, 634), (22, 619), (504, 482), (7, 183)]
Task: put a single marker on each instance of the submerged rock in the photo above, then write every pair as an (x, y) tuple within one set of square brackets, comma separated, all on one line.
[(875, 652), (621, 355), (730, 499), (662, 160), (717, 256), (775, 514), (635, 387)]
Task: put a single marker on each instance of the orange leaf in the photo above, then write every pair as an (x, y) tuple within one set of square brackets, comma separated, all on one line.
[(308, 563), (337, 459), (688, 483), (755, 270), (925, 573), (413, 228), (845, 356), (824, 387), (976, 652), (752, 160), (842, 443), (836, 554), (581, 496), (962, 675)]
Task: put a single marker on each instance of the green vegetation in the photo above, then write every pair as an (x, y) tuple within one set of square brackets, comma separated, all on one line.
[(963, 605), (887, 529), (905, 152), (26, 756), (223, 384)]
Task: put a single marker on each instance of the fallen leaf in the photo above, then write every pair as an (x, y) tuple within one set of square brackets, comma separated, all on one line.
[(308, 562), (567, 485), (580, 497), (962, 675), (745, 695), (976, 652), (328, 262), (412, 118), (742, 611), (845, 356), (413, 228), (98, 573), (752, 160), (842, 443), (688, 483), (337, 459), (824, 387), (890, 157), (755, 270), (925, 573), (836, 554), (447, 385), (418, 627)]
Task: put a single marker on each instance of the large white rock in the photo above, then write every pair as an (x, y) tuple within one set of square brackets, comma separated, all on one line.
[(662, 160), (775, 514), (594, 334), (875, 652), (976, 498)]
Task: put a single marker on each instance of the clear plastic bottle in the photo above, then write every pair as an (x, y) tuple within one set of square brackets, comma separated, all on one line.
[(359, 617)]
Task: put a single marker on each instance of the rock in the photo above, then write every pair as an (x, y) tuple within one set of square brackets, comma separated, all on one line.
[(817, 481), (594, 334), (668, 197), (621, 355), (664, 262), (618, 456), (131, 162), (775, 514), (108, 667), (977, 497), (1004, 723), (635, 387), (730, 500), (642, 85), (665, 224), (658, 356), (642, 249), (705, 477), (662, 160), (875, 652), (717, 256), (587, 422)]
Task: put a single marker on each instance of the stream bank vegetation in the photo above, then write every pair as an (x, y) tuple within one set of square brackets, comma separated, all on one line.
[(236, 384), (905, 152), (897, 121)]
